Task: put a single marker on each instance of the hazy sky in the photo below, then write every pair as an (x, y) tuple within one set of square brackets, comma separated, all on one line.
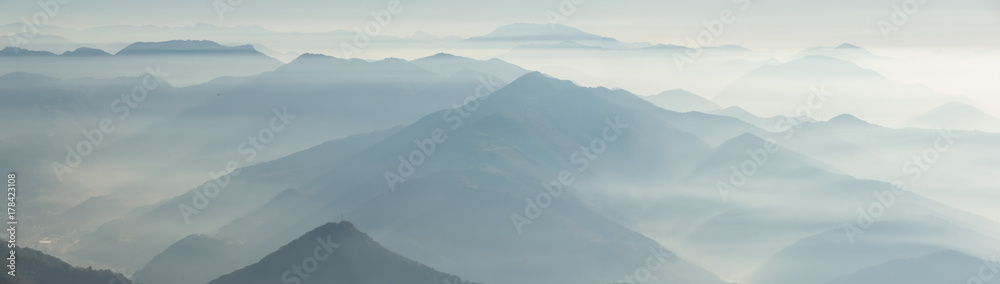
[(764, 24)]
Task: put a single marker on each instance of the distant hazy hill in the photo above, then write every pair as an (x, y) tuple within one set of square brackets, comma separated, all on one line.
[(35, 267), (447, 65), (956, 115), (832, 86), (682, 101), (191, 255), (936, 268), (768, 123), (521, 33), (84, 51), (338, 254), (187, 62), (20, 52), (539, 32), (186, 47)]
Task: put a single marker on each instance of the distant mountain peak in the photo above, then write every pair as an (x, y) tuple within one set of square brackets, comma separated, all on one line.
[(676, 93), (956, 115), (536, 32), (742, 141), (682, 101), (86, 51), (26, 79), (848, 119), (535, 77), (186, 47), (306, 58), (11, 51), (442, 55), (350, 256), (847, 46)]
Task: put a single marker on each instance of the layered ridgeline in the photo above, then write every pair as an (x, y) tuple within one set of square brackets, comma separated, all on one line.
[(336, 253), (461, 202), (35, 267), (853, 90), (320, 92), (188, 62), (477, 193)]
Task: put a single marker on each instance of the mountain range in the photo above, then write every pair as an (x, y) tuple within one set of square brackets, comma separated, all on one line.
[(461, 170)]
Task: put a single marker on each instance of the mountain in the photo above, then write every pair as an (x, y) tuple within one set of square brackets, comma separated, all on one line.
[(521, 33), (942, 267), (20, 52), (825, 87), (652, 186), (682, 101), (94, 212), (769, 123), (283, 56), (447, 65), (824, 257), (538, 32), (186, 62), (844, 51), (487, 167), (191, 254), (186, 47), (955, 115), (336, 253), (35, 267), (84, 51)]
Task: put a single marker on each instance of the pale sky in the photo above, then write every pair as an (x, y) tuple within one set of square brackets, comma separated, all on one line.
[(764, 24)]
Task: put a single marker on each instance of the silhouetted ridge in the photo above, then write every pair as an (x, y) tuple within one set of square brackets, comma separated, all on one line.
[(186, 47)]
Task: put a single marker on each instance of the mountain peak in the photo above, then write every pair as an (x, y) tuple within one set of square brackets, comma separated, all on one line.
[(85, 51), (186, 47), (537, 32), (313, 58), (25, 80), (847, 46), (744, 141), (442, 55), (676, 93), (348, 256), (536, 78), (847, 119), (682, 101), (11, 51)]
